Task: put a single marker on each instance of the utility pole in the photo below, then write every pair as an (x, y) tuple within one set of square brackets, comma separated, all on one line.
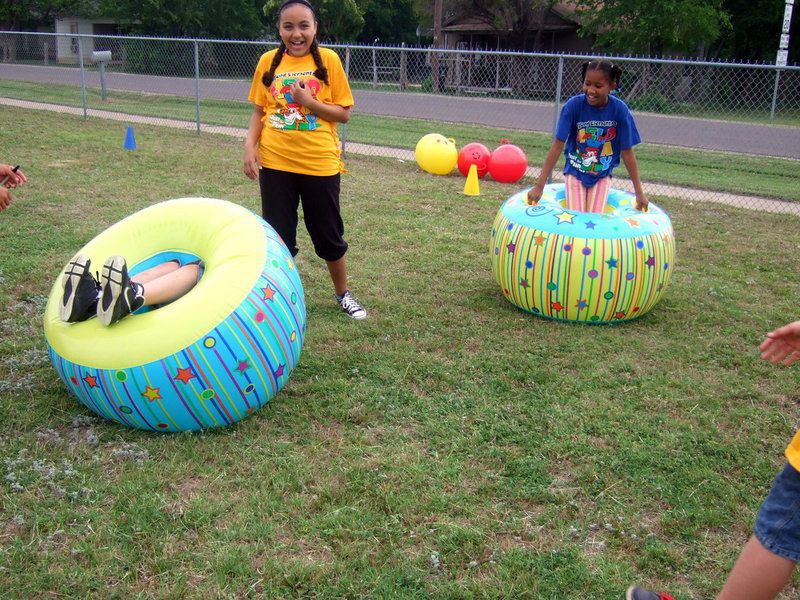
[(783, 54), (437, 43), (783, 47)]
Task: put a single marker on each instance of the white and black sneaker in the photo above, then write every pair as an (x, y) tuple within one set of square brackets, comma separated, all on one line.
[(119, 296), (81, 290), (351, 306)]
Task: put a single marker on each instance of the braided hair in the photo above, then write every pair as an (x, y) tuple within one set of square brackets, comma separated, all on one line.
[(321, 73), (612, 71)]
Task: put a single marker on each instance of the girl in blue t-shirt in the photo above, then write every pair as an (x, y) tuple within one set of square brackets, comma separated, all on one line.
[(594, 131)]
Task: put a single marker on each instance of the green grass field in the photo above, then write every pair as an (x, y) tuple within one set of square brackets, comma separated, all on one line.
[(449, 446)]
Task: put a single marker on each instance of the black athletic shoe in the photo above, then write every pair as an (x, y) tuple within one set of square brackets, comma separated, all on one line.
[(119, 296), (351, 306), (81, 290)]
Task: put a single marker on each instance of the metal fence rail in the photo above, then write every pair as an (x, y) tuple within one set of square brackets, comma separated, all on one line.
[(744, 109)]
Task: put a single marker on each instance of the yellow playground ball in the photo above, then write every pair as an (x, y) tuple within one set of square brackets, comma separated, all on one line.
[(436, 154)]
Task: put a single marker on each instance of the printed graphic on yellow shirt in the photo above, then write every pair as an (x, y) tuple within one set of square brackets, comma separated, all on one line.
[(288, 113)]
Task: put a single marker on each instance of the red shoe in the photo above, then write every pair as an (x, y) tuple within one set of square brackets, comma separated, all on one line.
[(636, 593)]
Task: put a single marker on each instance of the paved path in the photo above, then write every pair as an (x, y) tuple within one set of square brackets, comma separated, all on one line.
[(524, 115), (764, 204)]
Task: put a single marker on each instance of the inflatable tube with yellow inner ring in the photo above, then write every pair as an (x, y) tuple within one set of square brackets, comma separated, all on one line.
[(576, 266), (208, 359)]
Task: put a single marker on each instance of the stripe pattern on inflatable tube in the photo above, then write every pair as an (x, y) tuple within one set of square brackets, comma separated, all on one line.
[(145, 374), (588, 267)]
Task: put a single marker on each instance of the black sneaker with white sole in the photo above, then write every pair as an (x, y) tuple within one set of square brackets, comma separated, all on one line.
[(351, 306), (81, 290), (119, 296)]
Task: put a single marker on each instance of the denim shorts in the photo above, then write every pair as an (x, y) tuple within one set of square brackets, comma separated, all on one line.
[(778, 522)]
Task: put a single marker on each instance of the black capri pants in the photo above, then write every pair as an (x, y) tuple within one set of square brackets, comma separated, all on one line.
[(281, 194)]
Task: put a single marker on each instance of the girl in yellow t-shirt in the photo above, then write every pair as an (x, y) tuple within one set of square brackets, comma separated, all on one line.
[(300, 92)]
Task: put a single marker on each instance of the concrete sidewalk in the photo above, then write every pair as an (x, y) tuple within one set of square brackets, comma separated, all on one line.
[(654, 189)]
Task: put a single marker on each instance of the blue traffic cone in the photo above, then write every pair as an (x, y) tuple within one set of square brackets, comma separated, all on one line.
[(130, 142)]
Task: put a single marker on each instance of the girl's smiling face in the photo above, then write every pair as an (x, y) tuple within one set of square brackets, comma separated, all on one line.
[(597, 87), (297, 28)]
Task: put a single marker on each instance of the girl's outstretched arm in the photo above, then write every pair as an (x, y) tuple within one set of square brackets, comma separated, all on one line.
[(782, 345), (629, 158), (535, 193)]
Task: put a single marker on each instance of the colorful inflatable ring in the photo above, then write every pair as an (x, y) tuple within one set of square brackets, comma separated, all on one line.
[(574, 266), (208, 359)]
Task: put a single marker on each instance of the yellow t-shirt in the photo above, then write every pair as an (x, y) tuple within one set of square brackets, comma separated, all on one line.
[(293, 139), (793, 451)]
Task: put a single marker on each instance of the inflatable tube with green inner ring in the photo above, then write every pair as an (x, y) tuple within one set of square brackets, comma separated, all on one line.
[(208, 359)]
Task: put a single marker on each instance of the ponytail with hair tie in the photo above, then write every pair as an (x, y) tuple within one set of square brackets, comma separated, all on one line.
[(612, 71)]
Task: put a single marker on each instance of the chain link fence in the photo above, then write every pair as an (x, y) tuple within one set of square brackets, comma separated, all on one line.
[(733, 113)]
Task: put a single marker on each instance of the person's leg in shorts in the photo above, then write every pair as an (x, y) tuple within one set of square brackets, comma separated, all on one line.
[(280, 197), (320, 199), (768, 559), (319, 196)]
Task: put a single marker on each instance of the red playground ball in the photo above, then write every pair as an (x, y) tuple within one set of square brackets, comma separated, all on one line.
[(508, 163), (474, 154)]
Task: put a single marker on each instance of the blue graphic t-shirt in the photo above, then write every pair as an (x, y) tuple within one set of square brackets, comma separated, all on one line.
[(595, 137)]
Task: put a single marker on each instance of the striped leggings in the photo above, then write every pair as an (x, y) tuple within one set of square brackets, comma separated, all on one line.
[(583, 199)]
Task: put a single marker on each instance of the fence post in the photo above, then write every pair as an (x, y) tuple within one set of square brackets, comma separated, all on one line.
[(774, 97), (197, 84), (403, 67), (557, 99), (458, 73), (783, 53), (83, 78), (559, 83)]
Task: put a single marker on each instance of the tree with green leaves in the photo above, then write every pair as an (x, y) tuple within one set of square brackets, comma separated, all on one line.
[(389, 21), (339, 20), (28, 15), (225, 19), (653, 27), (755, 31), (521, 21)]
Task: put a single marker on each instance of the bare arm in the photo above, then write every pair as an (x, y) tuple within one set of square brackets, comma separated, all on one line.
[(535, 193), (251, 161), (629, 158)]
